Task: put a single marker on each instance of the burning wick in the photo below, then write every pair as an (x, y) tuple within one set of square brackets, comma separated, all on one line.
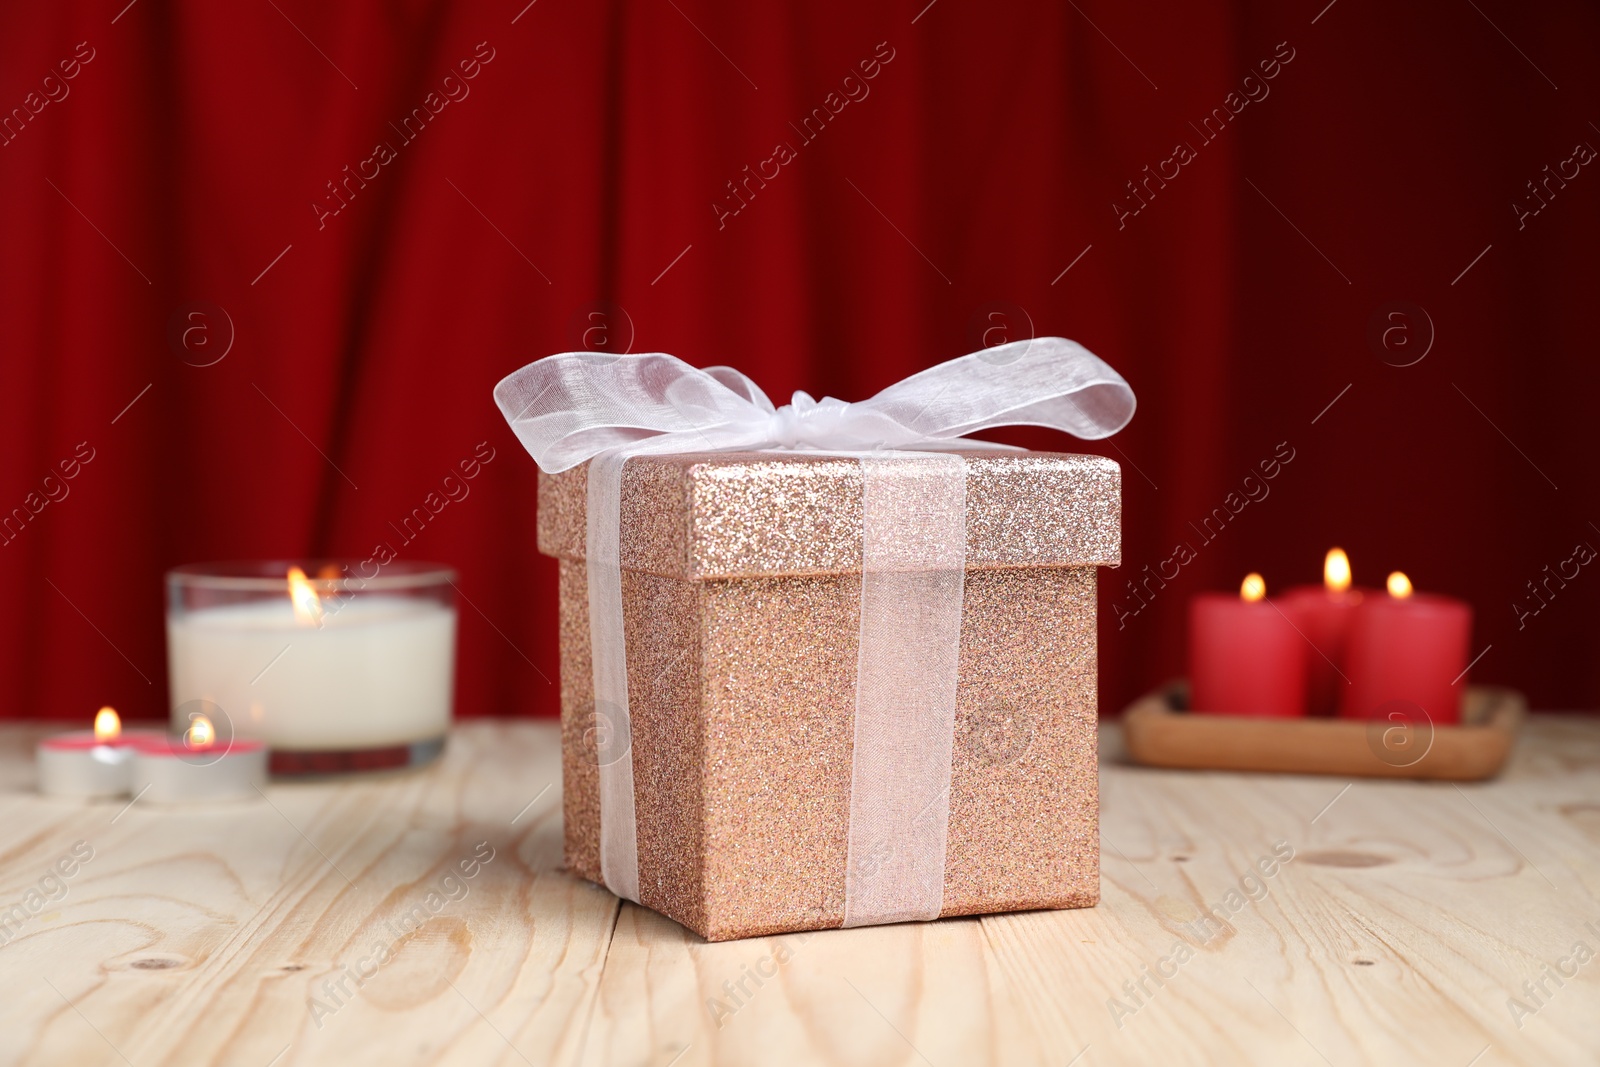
[(1399, 585), (307, 604), (200, 733), (1336, 571), (1253, 588), (107, 726)]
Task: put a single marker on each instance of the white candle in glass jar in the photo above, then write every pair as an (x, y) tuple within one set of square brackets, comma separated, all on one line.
[(376, 672)]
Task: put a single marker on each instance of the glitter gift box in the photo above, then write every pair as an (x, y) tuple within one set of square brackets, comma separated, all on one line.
[(741, 579)]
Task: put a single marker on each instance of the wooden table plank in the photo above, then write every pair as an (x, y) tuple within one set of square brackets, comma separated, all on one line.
[(1401, 931), (1396, 934), (211, 937)]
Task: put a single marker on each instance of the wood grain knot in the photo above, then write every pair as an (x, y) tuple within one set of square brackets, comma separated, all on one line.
[(1339, 858), (423, 966), (156, 963)]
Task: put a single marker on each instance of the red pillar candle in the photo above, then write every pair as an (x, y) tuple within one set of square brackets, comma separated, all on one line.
[(1245, 657), (1323, 614), (1409, 647)]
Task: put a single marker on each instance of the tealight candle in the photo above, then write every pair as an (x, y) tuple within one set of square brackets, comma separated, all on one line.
[(1408, 647), (89, 764), (197, 768), (1323, 614), (1245, 657)]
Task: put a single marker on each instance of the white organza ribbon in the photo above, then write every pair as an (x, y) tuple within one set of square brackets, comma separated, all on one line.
[(913, 566), (580, 406)]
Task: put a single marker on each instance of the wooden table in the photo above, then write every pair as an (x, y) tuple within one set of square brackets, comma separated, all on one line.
[(1402, 931)]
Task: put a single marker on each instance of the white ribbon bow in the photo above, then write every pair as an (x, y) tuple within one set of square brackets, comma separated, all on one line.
[(580, 406), (571, 407)]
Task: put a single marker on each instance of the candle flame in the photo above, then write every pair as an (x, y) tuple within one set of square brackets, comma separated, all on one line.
[(1253, 588), (307, 604), (200, 733), (1399, 585), (107, 725), (1336, 571)]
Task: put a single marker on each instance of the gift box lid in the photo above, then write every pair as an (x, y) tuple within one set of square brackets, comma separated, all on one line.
[(711, 515)]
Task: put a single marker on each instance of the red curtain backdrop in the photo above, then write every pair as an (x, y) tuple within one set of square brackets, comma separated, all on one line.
[(262, 263)]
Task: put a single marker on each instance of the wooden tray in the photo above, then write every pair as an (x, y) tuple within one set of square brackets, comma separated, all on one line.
[(1158, 732)]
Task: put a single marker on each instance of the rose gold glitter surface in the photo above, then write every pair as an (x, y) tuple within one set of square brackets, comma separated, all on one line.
[(580, 775), (742, 689), (736, 514)]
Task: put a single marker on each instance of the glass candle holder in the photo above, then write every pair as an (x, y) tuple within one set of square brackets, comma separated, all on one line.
[(335, 671)]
